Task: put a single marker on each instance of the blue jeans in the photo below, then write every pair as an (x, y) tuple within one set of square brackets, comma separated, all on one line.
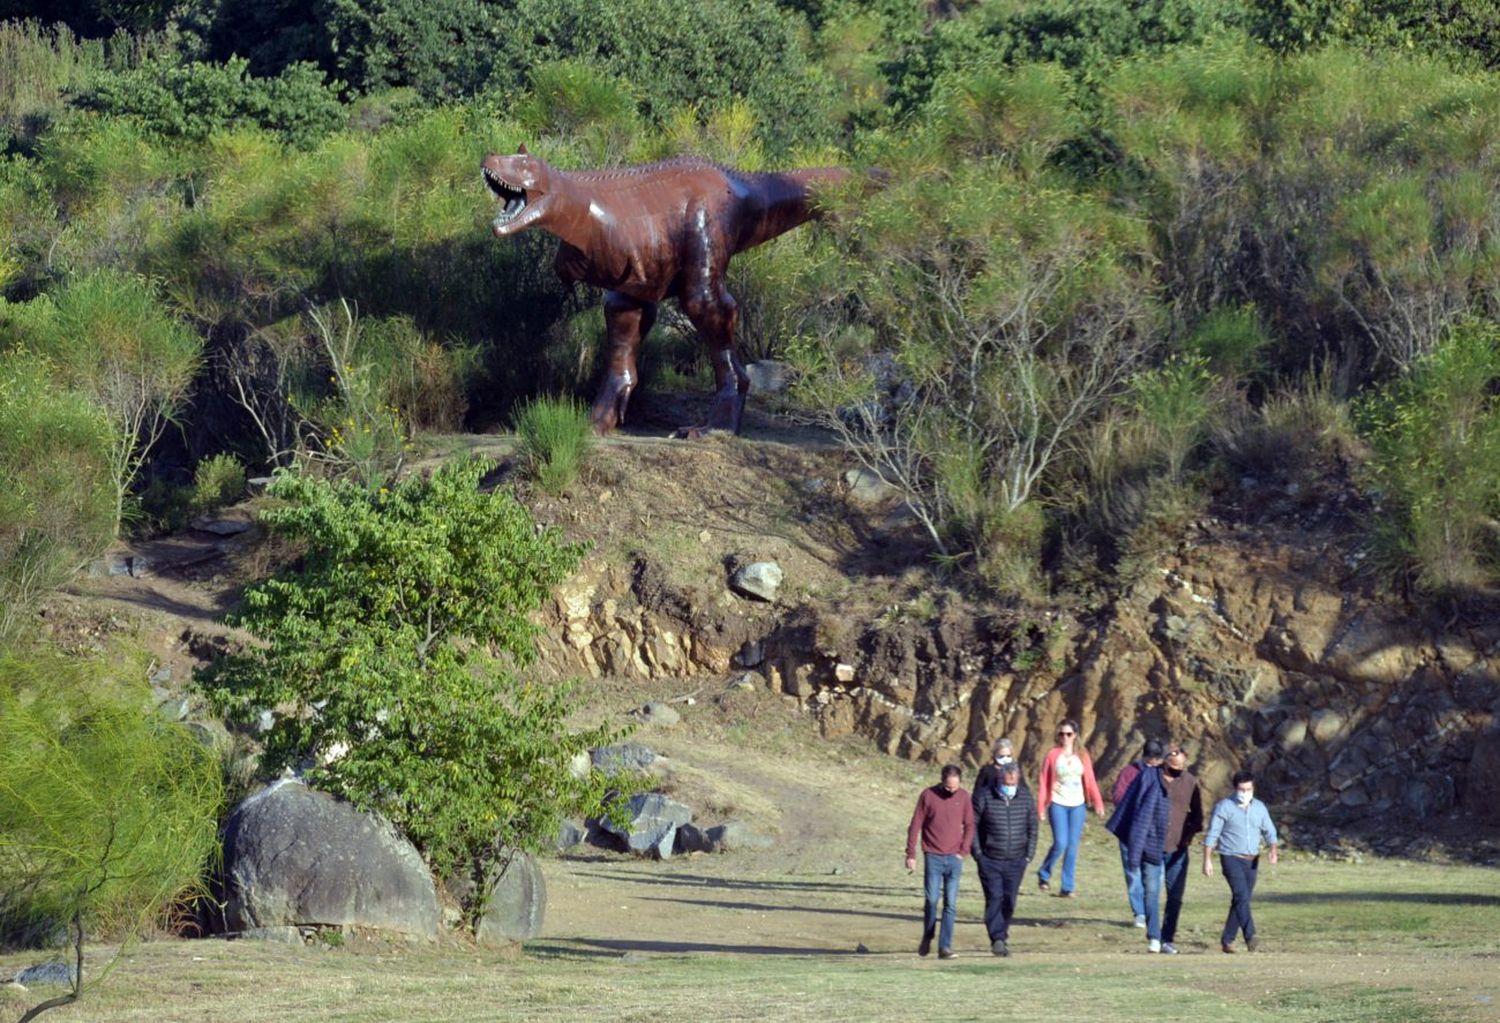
[(1241, 877), (940, 880), (1067, 834), (1132, 883), (1176, 872), (1151, 877)]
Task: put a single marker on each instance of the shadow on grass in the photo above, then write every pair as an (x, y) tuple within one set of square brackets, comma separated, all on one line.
[(562, 953), (623, 945), (1418, 898), (767, 907), (810, 887)]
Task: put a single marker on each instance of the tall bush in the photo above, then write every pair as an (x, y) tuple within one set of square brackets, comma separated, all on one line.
[(396, 654), (108, 337), (58, 501), (1006, 312), (1435, 466), (108, 814)]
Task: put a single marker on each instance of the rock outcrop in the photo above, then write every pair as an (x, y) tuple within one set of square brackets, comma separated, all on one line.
[(1255, 651)]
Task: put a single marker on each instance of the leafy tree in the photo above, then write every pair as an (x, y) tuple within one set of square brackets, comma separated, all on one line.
[(394, 654), (57, 507), (107, 814)]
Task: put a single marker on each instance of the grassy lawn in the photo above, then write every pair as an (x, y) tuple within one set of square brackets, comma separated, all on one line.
[(727, 938)]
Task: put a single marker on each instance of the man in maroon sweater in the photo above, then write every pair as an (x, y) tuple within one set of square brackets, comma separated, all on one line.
[(944, 820)]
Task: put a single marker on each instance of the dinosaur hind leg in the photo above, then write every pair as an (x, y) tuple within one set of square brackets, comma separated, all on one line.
[(626, 322), (715, 319)]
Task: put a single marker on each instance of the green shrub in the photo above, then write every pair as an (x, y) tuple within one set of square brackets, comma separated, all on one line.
[(359, 432), (1174, 402), (1006, 312), (192, 101), (58, 502), (107, 336), (1434, 471), (218, 481), (108, 813), (1231, 340), (555, 436), (393, 655)]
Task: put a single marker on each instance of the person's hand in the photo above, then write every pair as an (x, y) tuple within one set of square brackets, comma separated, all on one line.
[(1274, 856), (1208, 868), (911, 864)]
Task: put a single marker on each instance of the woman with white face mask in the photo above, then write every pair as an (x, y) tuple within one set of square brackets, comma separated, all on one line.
[(1236, 829)]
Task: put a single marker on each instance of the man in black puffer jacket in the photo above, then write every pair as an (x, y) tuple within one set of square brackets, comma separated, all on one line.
[(1004, 842)]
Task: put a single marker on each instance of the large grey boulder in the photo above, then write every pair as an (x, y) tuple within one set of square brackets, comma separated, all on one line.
[(760, 579), (296, 857), (518, 903), (653, 823)]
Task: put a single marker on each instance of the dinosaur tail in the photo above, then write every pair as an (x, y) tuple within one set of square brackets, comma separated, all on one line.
[(789, 200)]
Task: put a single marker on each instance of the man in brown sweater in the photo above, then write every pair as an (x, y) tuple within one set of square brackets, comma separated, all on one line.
[(944, 821), (1184, 822)]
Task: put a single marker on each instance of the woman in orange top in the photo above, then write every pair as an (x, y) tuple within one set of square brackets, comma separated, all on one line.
[(1067, 781)]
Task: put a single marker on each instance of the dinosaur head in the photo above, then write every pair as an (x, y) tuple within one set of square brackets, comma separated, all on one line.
[(522, 185)]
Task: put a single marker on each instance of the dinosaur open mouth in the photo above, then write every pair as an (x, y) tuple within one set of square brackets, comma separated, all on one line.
[(512, 198)]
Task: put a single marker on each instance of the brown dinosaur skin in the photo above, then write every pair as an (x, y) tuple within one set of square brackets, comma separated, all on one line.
[(647, 233)]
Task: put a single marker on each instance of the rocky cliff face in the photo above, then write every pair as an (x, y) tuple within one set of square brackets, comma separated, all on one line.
[(1255, 648)]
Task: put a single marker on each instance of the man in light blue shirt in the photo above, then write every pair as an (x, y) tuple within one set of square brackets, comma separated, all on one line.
[(1235, 829)]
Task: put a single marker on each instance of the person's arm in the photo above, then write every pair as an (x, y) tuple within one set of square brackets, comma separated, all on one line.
[(1268, 832), (1091, 784), (1194, 822), (1044, 786), (1122, 783), (1031, 830), (968, 826), (914, 831), (1215, 825), (981, 800)]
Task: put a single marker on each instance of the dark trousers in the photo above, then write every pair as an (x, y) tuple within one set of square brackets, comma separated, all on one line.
[(1176, 885), (1001, 880), (940, 881), (1241, 877)]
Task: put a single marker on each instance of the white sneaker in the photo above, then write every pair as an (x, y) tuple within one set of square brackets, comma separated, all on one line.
[(1154, 946), (1168, 948), (1140, 921)]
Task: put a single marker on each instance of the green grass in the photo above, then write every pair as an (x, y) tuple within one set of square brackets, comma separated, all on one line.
[(555, 440)]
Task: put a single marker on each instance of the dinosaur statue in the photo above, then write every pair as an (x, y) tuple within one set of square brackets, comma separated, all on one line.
[(646, 233)]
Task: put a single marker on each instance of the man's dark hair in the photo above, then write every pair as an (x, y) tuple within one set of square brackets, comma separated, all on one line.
[(1153, 750), (1009, 768), (1240, 777), (952, 769)]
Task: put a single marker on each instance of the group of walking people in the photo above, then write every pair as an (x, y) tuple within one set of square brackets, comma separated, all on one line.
[(1158, 813)]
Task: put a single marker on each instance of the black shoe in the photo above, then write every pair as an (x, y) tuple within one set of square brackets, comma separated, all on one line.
[(946, 953), (999, 947), (926, 947), (1251, 944), (1065, 895)]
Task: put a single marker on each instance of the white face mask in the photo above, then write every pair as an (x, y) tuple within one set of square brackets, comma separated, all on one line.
[(1242, 797)]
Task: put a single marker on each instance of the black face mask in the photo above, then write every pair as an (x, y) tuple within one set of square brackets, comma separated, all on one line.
[(1171, 773)]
